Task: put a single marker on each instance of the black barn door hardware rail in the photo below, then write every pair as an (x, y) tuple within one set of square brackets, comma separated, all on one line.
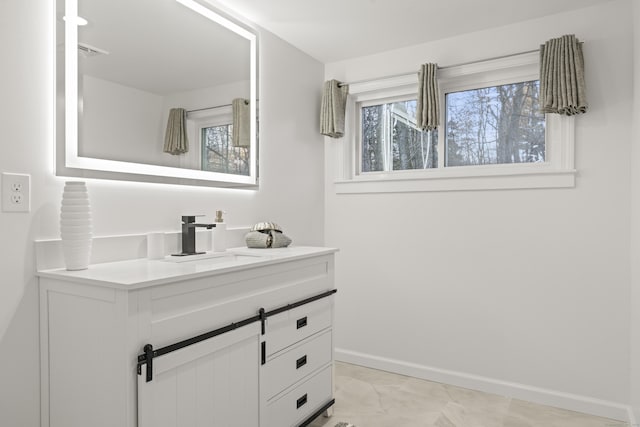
[(299, 303), (149, 353)]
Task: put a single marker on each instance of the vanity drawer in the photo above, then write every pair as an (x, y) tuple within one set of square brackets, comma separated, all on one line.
[(298, 362), (298, 404), (286, 329)]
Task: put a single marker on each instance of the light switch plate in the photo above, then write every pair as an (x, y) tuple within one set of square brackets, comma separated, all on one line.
[(16, 192)]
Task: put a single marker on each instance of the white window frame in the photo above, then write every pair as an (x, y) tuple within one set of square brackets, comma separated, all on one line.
[(198, 120), (388, 161), (556, 172)]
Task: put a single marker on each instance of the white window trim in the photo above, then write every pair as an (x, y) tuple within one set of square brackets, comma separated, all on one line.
[(556, 172)]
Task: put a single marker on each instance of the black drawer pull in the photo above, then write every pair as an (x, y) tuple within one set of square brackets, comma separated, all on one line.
[(301, 362), (301, 401), (301, 323)]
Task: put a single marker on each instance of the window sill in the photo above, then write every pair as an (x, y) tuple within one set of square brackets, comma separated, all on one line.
[(459, 179)]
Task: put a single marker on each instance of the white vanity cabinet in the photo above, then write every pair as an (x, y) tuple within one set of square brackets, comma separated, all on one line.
[(237, 345), (297, 375)]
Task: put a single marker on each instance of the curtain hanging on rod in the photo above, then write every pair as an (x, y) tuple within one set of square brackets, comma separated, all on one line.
[(241, 135), (428, 110), (175, 137), (562, 84), (332, 111)]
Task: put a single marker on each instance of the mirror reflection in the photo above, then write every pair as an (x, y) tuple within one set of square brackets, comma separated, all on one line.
[(161, 84)]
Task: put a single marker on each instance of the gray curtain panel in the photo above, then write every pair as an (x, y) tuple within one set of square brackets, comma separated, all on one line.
[(241, 135), (332, 111), (428, 111), (562, 86), (175, 138)]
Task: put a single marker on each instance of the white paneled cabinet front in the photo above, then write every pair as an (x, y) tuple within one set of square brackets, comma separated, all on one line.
[(93, 329), (212, 383)]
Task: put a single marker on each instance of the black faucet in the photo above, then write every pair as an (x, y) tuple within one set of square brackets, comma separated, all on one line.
[(189, 235)]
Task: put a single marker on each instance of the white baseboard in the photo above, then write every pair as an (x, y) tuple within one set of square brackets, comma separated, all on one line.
[(573, 402)]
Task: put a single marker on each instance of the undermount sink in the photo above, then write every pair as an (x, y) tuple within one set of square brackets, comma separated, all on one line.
[(214, 258)]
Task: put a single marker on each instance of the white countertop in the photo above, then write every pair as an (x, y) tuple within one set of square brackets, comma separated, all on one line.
[(140, 273)]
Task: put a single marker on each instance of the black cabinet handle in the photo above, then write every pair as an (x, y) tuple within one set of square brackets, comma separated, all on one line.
[(301, 323), (301, 401), (301, 362)]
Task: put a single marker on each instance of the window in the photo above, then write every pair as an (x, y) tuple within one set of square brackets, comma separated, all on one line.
[(494, 125), (218, 154), (210, 135), (390, 140), (491, 135)]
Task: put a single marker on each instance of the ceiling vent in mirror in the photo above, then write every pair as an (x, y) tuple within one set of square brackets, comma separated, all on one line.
[(89, 51)]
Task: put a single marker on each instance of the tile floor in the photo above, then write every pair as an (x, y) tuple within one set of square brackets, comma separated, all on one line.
[(371, 398)]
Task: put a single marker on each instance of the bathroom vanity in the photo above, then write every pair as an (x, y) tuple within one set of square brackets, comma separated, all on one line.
[(240, 340)]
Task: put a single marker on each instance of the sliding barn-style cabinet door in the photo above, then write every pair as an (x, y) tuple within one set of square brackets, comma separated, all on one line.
[(211, 383)]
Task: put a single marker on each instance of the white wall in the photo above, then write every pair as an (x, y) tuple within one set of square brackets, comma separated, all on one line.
[(635, 222), (290, 195), (122, 123), (503, 290)]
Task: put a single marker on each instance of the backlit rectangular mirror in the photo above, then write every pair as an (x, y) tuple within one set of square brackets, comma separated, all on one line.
[(155, 90)]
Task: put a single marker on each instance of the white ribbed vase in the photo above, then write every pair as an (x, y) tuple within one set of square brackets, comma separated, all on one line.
[(75, 225)]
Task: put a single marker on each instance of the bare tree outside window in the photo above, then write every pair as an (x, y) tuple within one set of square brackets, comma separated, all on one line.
[(494, 125), (391, 141), (220, 155), (373, 139), (491, 125)]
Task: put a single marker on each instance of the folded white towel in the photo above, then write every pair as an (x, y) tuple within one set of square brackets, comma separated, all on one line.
[(267, 239)]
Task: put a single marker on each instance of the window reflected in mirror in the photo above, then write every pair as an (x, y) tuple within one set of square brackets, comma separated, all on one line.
[(218, 152)]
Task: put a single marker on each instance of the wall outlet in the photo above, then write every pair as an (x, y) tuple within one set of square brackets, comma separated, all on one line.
[(16, 192)]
